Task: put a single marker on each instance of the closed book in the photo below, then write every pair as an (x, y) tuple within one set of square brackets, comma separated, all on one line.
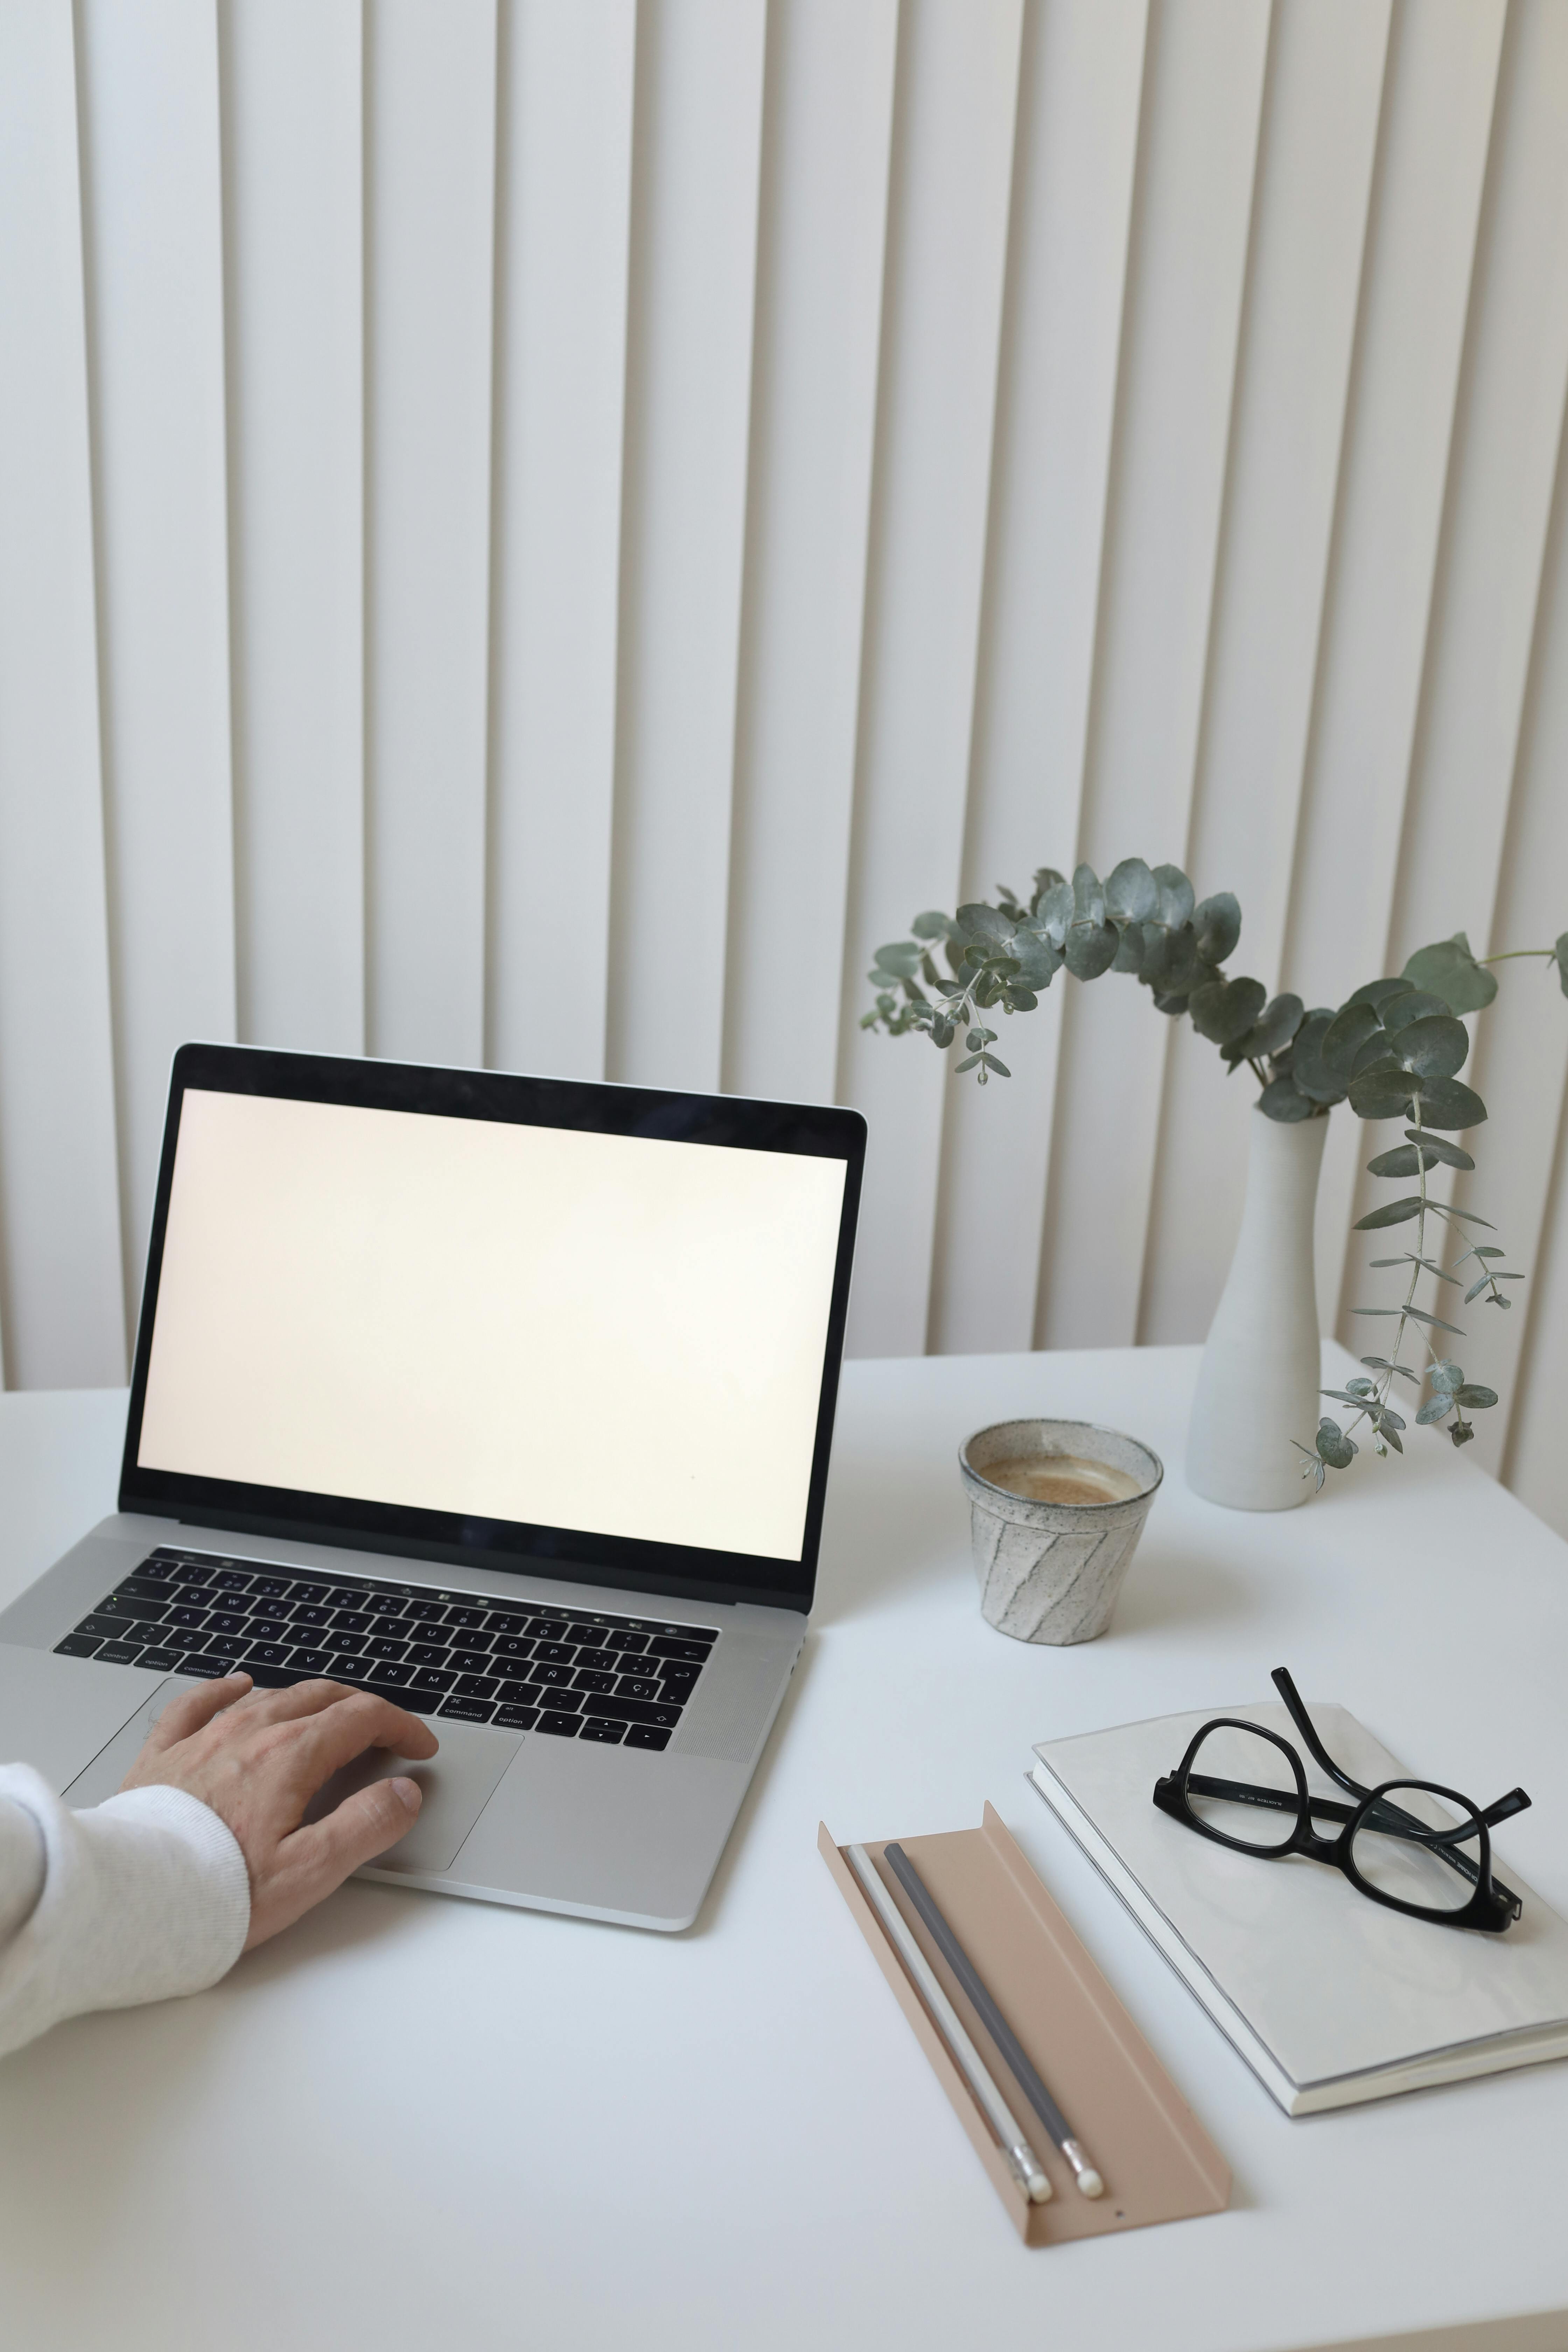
[(1330, 1998)]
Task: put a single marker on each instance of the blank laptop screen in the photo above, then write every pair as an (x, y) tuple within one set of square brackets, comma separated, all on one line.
[(614, 1333)]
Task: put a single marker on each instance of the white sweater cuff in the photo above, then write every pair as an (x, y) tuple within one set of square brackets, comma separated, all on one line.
[(137, 1899)]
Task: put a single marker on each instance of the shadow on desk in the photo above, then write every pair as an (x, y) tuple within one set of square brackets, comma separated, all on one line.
[(891, 1528)]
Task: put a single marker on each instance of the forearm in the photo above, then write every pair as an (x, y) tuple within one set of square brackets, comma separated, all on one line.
[(136, 1900)]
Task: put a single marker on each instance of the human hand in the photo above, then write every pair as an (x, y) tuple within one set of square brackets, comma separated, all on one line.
[(259, 1757)]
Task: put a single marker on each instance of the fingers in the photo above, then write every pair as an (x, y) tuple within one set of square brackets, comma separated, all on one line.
[(315, 1860), (186, 1713), (337, 1734)]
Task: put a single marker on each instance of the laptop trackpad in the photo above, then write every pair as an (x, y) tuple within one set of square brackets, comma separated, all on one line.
[(457, 1784)]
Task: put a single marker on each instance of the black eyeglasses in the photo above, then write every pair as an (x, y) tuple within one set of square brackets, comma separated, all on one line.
[(1396, 1843)]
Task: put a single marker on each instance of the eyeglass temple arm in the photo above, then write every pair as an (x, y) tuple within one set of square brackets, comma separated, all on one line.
[(1303, 1723)]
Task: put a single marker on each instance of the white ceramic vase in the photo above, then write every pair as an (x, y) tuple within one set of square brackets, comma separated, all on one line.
[(1258, 1388)]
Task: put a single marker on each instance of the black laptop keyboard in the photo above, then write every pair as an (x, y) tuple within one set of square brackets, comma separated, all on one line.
[(575, 1674)]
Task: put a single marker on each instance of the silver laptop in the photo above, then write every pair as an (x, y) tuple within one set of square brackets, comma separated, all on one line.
[(511, 1397)]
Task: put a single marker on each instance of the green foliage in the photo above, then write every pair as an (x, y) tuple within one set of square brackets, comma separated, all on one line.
[(1392, 1050)]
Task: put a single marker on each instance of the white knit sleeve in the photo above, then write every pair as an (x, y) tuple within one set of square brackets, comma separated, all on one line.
[(136, 1899)]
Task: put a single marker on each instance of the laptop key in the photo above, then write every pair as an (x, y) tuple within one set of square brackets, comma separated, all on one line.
[(224, 1620), (598, 1727), (312, 1662), (266, 1653), (164, 1661), (119, 1653), (382, 1675), (589, 1678), (477, 1687), (205, 1670), (538, 1674), (467, 1638), (433, 1680), (466, 1615), (428, 1654), (637, 1710), (559, 1727), (108, 1629), (638, 1686), (351, 1621), (516, 1718), (121, 1603), (311, 1613), (691, 1652), (76, 1645), (378, 1646), (149, 1588), (555, 1654), (467, 1710), (646, 1735), (511, 1646)]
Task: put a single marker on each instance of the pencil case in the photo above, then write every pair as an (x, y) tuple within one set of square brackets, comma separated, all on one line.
[(1157, 2161)]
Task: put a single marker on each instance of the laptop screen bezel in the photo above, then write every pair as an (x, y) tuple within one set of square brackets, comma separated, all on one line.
[(629, 1564)]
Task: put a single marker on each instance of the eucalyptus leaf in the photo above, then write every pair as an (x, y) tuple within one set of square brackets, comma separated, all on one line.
[(1435, 1322), (1376, 992), (1346, 1034), (967, 1063), (1388, 1429), (1434, 1409), (1055, 910), (1393, 1212), (1433, 1048), (1271, 1032), (1226, 1009), (986, 925), (1132, 893), (1475, 1288), (1175, 895), (1333, 1446), (1376, 1052), (1129, 948), (1440, 1147), (1046, 878), (1447, 1102), (1091, 949), (1380, 1094), (1414, 1005), (1449, 969), (1445, 1374), (1474, 1397), (1039, 958), (1088, 897), (900, 958), (1282, 1099), (1560, 953), (1216, 924), (1404, 1159), (1311, 1072), (933, 927)]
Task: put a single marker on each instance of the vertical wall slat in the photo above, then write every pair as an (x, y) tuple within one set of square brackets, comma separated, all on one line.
[(1204, 88), (1080, 94), (61, 1298), (956, 112), (430, 196), (293, 173), (1443, 63), (1501, 475), (562, 212), (827, 123), (1315, 165), (154, 208), (694, 248), (1520, 1069)]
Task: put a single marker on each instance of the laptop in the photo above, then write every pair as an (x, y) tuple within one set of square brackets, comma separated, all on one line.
[(510, 1398)]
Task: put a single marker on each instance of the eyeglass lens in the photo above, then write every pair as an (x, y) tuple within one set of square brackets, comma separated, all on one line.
[(1390, 1856), (1263, 1822)]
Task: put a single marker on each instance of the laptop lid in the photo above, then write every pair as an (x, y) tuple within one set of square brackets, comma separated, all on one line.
[(527, 1324)]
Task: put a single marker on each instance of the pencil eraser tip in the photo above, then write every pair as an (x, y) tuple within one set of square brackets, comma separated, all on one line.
[(1090, 2183)]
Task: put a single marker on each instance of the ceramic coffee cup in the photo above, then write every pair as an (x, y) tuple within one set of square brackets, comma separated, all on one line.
[(1056, 1509)]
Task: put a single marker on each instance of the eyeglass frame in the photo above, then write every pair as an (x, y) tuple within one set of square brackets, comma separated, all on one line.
[(1492, 1906)]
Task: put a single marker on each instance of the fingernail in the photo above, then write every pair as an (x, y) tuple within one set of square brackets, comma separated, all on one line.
[(407, 1792)]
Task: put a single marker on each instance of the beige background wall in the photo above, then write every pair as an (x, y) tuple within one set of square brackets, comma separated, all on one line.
[(539, 531)]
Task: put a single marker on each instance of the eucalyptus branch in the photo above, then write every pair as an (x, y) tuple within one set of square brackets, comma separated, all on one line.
[(1391, 1050)]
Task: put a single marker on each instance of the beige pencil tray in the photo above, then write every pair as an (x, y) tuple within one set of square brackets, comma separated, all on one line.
[(1157, 2161)]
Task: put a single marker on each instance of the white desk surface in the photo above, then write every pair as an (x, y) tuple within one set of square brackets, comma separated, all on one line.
[(415, 2122)]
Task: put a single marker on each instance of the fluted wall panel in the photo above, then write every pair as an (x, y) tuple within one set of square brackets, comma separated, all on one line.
[(540, 531)]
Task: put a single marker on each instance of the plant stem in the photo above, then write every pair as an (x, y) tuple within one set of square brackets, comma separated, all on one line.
[(1511, 954)]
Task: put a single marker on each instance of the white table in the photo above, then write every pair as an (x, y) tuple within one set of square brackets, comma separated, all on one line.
[(418, 2122)]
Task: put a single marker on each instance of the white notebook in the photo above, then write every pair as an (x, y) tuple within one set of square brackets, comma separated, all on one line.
[(1330, 1998)]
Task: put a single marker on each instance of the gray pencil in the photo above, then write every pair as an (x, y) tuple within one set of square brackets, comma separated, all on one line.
[(995, 2024), (1021, 2157)]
